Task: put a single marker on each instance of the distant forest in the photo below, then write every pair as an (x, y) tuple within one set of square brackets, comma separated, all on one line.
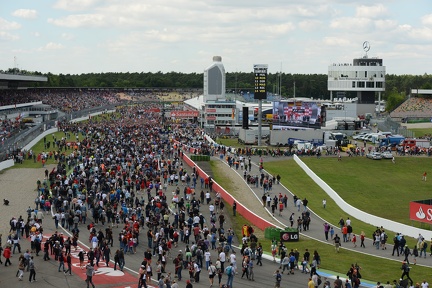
[(306, 85)]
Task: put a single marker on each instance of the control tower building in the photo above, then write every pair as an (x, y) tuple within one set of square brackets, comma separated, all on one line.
[(214, 81), (365, 76)]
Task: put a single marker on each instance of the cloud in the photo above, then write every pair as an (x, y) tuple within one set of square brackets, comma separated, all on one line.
[(376, 11), (309, 25), (51, 46), (427, 20), (336, 41), (7, 36), (385, 25), (351, 24), (7, 25), (25, 13), (75, 5), (278, 29), (81, 20), (67, 36)]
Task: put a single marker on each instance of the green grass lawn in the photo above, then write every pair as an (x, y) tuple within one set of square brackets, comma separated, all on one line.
[(420, 132), (377, 187), (230, 142), (373, 268)]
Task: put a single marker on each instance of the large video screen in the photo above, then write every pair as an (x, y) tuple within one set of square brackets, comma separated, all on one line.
[(298, 113)]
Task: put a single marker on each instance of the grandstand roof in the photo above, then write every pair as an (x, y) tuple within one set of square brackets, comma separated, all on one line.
[(15, 81), (421, 91)]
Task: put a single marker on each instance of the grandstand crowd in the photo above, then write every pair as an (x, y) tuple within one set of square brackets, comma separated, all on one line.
[(413, 107)]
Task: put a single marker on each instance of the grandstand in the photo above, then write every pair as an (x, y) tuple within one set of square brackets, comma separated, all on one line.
[(413, 108)]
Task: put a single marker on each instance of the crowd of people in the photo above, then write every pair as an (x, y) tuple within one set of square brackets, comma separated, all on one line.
[(413, 107), (127, 172)]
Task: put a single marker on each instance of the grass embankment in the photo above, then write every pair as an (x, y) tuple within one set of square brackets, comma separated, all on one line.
[(378, 187), (373, 268), (421, 132)]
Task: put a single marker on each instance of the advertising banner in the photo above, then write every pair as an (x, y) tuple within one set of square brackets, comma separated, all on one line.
[(184, 114), (421, 212), (289, 236)]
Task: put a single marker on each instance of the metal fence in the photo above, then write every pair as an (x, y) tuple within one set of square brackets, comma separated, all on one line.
[(395, 127)]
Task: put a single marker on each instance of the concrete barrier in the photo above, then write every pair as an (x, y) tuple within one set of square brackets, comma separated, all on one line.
[(6, 164), (359, 214)]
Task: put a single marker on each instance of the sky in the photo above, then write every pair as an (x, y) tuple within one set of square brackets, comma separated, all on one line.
[(292, 36)]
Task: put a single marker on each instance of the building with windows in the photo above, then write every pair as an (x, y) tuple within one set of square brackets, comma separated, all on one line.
[(365, 76), (216, 110)]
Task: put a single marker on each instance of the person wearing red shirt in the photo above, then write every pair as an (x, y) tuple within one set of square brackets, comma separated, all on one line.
[(7, 255)]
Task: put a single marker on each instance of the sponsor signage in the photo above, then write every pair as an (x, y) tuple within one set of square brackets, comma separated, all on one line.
[(421, 212), (184, 114), (289, 236), (211, 110)]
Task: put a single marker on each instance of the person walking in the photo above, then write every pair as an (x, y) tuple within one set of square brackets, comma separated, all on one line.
[(212, 273), (7, 255), (32, 270), (278, 278), (21, 267), (69, 264), (326, 230), (336, 241), (405, 272), (89, 273), (362, 238), (61, 262), (230, 272)]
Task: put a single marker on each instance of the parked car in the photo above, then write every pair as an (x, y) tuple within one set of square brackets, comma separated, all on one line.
[(374, 156), (387, 155), (360, 136)]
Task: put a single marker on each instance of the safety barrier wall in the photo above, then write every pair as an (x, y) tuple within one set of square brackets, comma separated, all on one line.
[(359, 214), (241, 209), (6, 164)]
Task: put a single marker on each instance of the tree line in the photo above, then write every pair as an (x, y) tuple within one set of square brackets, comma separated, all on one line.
[(284, 84)]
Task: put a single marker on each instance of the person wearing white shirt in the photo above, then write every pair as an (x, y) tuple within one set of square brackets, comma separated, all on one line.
[(233, 260), (424, 284), (222, 259), (211, 208), (348, 222), (207, 256)]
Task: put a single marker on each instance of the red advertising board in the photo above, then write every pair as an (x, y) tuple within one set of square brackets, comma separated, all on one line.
[(421, 212), (211, 110), (184, 114)]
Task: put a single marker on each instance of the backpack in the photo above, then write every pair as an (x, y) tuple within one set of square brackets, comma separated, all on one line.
[(228, 270), (320, 281), (278, 277), (425, 245)]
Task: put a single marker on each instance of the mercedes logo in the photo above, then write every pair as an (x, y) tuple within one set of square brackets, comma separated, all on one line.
[(366, 46)]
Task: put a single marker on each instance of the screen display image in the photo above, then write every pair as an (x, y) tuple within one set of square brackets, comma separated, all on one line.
[(298, 113)]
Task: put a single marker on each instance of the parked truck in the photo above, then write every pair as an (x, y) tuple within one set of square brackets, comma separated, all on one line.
[(392, 141), (423, 143)]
